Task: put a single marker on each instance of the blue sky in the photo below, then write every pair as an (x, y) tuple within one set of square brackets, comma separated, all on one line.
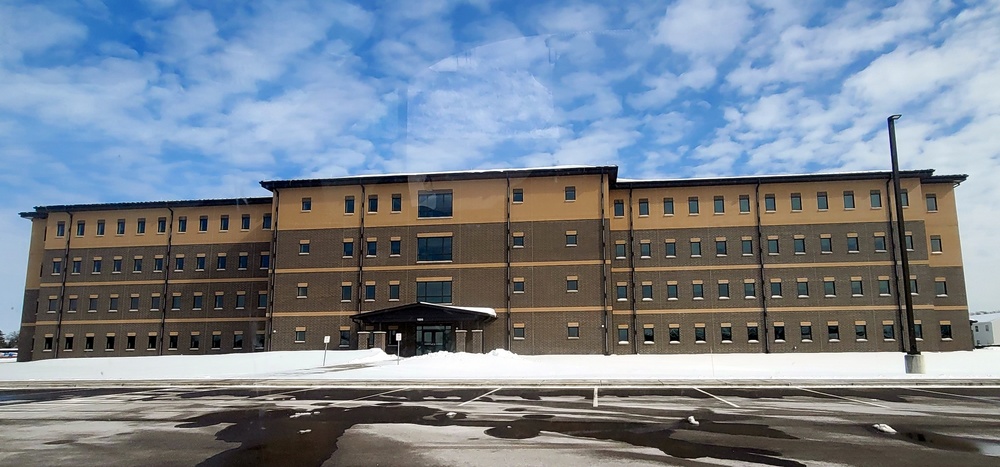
[(161, 99)]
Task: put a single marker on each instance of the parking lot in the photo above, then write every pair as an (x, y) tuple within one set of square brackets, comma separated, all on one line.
[(501, 426)]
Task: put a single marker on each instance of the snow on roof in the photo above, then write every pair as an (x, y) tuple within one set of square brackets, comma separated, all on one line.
[(472, 309)]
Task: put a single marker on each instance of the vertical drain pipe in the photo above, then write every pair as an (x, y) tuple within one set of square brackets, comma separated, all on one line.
[(166, 281), (271, 271), (57, 342), (507, 284), (891, 234), (363, 250), (631, 273), (760, 270), (605, 324)]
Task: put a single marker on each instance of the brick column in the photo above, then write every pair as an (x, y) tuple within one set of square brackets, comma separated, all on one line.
[(460, 340), (380, 340), (363, 340), (477, 341)]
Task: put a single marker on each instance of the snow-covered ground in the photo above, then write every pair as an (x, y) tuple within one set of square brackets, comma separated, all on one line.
[(374, 365)]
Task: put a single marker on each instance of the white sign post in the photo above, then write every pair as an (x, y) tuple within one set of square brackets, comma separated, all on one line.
[(326, 344), (399, 345)]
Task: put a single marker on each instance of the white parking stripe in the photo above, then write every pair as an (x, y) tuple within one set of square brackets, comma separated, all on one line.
[(372, 395), (477, 397), (981, 399), (595, 396), (844, 398), (716, 397)]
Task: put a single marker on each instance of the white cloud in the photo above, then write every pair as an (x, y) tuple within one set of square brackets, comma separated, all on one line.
[(708, 30), (571, 18), (32, 29)]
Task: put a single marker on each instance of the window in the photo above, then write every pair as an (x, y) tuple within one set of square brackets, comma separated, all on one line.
[(746, 247), (621, 292), (161, 225), (262, 300), (699, 333), (573, 331), (518, 195), (720, 205), (769, 203), (154, 303), (369, 291), (302, 291), (348, 205), (518, 285), (345, 338), (397, 203), (940, 288), (437, 248), (224, 223), (775, 289), (121, 227), (807, 332), (348, 248), (932, 205), (648, 334), (195, 341), (802, 289), (861, 332), (695, 248), (727, 333), (876, 199), (395, 246), (723, 290), (822, 202), (668, 206), (888, 332), (237, 341), (744, 204), (570, 239), (243, 261), (619, 208), (157, 264), (675, 335), (829, 288), (720, 247), (393, 291), (220, 263), (619, 251), (833, 332), (307, 204), (918, 330), (434, 292), (518, 240), (693, 205), (203, 224), (434, 204), (753, 333), (73, 303), (772, 246), (241, 300), (48, 343), (644, 207), (946, 331), (908, 241), (848, 200), (857, 289), (880, 243), (571, 193), (266, 222), (100, 228), (698, 291), (796, 201), (53, 304), (77, 266), (245, 222), (935, 244), (61, 229), (852, 245), (913, 286), (197, 302), (137, 265), (345, 293), (151, 343), (373, 204), (300, 335), (779, 333), (883, 287), (116, 265), (645, 249), (265, 260), (572, 284), (182, 224), (81, 228), (799, 244), (130, 342), (671, 249), (904, 198), (826, 245), (749, 290), (175, 302), (623, 335), (671, 291), (109, 342), (371, 248), (647, 291)]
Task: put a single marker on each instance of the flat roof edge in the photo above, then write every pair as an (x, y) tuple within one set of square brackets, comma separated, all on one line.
[(923, 174), (43, 211), (441, 176)]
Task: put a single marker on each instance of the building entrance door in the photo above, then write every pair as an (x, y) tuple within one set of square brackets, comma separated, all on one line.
[(434, 339)]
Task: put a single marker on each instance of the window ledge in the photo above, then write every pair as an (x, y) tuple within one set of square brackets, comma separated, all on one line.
[(700, 342), (747, 254), (675, 342), (644, 257), (571, 244), (808, 341), (861, 340), (619, 342), (800, 252), (857, 295), (519, 338), (727, 342), (834, 340), (572, 291), (698, 298), (776, 296), (749, 297), (572, 338), (671, 256), (754, 341), (889, 340), (720, 255), (696, 256), (723, 298), (647, 299), (946, 339), (779, 341), (672, 299), (648, 343)]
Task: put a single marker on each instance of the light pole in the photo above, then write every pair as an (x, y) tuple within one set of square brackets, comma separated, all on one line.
[(913, 359)]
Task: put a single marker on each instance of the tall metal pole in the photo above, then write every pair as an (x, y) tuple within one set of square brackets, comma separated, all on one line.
[(901, 229)]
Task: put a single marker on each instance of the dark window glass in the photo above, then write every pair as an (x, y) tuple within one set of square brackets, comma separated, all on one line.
[(672, 291), (699, 334), (349, 248), (675, 334), (779, 333), (834, 331), (848, 200), (800, 245), (880, 243), (393, 291), (345, 293), (856, 288), (932, 204), (749, 290), (220, 263), (668, 206), (888, 331), (573, 332), (434, 204), (100, 228), (243, 261), (199, 263), (648, 335), (434, 292), (829, 288), (671, 249), (936, 244), (698, 290), (826, 245), (224, 223), (746, 247), (693, 205), (182, 224), (121, 227), (723, 290), (261, 300), (619, 208), (195, 341), (772, 246), (619, 250), (720, 247), (570, 193), (744, 204), (883, 287), (752, 333), (203, 224), (245, 222), (518, 195), (876, 198), (397, 203), (807, 332), (348, 205), (161, 225), (372, 203), (776, 289), (720, 205), (622, 292), (307, 204), (822, 202), (345, 338), (860, 332), (852, 244), (622, 335), (371, 248), (796, 202), (645, 250), (266, 222), (803, 289), (769, 203), (695, 248), (643, 207), (370, 292), (265, 260), (394, 247), (727, 333), (435, 248)]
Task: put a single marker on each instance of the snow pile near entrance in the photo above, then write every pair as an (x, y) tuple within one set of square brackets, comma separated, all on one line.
[(246, 365), (502, 353)]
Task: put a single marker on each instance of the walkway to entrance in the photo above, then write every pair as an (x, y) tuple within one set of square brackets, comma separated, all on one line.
[(421, 328)]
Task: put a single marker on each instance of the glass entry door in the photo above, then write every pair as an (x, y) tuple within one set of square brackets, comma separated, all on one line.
[(434, 339)]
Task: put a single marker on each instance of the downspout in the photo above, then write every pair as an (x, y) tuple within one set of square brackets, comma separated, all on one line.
[(760, 270), (62, 287), (604, 269), (895, 266), (507, 284), (166, 281), (631, 273), (272, 267), (363, 250)]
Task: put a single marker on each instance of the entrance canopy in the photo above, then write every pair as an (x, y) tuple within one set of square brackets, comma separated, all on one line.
[(422, 312)]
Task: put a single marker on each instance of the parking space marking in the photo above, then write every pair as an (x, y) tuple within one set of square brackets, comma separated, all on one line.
[(981, 399), (595, 396), (716, 397), (844, 398), (372, 395), (479, 396)]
